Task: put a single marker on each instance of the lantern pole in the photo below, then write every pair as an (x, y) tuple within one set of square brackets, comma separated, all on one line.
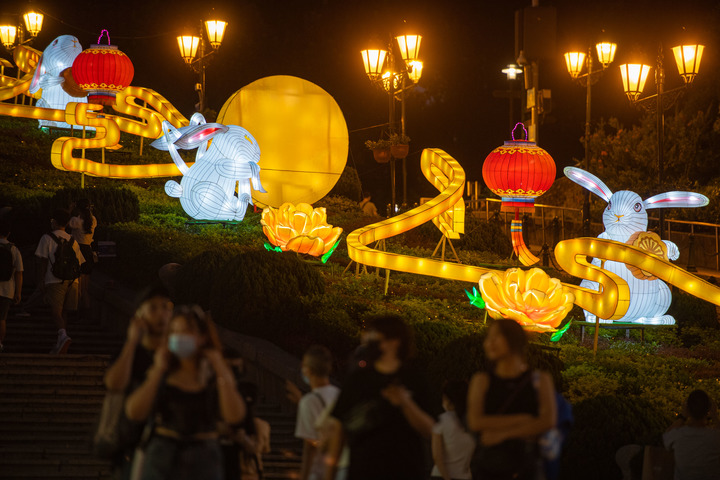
[(391, 119), (588, 105)]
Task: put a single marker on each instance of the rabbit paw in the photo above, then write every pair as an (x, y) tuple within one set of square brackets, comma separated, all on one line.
[(661, 320)]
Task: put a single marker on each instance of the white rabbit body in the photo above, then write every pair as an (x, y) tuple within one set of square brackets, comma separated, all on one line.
[(626, 214), (56, 58), (207, 189)]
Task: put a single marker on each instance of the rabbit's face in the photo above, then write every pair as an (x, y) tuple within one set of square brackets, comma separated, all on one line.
[(624, 215)]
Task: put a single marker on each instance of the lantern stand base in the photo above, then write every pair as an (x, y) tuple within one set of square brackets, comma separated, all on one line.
[(379, 245), (444, 240)]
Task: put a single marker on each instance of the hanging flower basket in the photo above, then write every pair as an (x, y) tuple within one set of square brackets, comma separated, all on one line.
[(380, 149), (400, 151), (382, 155)]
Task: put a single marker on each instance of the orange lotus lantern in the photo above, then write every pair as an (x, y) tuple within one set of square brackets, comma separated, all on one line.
[(103, 71), (519, 171), (300, 228), (532, 298)]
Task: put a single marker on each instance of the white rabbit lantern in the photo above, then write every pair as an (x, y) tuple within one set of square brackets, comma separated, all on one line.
[(228, 164), (51, 75), (626, 219)]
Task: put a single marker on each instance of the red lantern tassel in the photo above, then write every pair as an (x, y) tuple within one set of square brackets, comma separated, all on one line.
[(521, 250)]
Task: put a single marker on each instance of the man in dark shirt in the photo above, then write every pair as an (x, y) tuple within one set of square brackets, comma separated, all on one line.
[(146, 331), (381, 410)]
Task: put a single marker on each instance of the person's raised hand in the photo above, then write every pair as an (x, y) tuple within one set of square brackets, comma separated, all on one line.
[(136, 329)]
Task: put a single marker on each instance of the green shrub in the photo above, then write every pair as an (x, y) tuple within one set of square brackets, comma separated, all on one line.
[(195, 278), (462, 357), (690, 311), (348, 185), (602, 425), (258, 293), (486, 237), (111, 204)]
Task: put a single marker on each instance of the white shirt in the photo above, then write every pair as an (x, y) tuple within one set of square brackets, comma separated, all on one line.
[(458, 445), (310, 409), (696, 450), (7, 289), (46, 249), (78, 232)]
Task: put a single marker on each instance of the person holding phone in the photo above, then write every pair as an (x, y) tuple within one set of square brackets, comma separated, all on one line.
[(144, 335), (146, 332), (381, 411)]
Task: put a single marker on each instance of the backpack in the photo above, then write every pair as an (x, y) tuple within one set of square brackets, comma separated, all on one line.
[(66, 265), (7, 268)]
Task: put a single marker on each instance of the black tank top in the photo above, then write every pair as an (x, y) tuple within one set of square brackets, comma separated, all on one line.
[(188, 413), (501, 389)]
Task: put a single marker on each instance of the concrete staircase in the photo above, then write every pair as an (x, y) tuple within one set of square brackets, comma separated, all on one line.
[(49, 405)]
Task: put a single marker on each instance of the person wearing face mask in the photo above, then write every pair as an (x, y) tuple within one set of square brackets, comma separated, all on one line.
[(147, 330), (185, 403), (316, 368), (382, 409)]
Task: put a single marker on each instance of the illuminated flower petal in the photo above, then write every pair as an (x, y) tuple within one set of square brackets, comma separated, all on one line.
[(299, 228), (309, 245), (532, 298)]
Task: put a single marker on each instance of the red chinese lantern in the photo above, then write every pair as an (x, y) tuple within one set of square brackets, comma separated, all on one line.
[(518, 172), (102, 71)]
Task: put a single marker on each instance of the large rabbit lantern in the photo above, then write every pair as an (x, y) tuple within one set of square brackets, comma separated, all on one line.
[(217, 185), (52, 76), (625, 219)]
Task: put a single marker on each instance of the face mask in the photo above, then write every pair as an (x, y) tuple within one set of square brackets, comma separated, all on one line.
[(305, 379), (182, 345), (367, 353)]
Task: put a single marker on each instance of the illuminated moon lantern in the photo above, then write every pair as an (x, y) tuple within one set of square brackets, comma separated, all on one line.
[(626, 220), (51, 76), (300, 229), (103, 71), (518, 172), (532, 298), (226, 162), (302, 132)]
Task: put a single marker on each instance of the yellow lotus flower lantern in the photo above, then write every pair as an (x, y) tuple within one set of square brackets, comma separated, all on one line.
[(532, 298), (300, 228)]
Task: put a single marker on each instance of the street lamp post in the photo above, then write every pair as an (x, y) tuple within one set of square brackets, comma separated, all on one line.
[(634, 77), (393, 79), (14, 35), (575, 62), (511, 72), (188, 45)]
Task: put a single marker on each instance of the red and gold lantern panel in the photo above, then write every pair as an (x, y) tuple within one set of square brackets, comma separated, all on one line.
[(102, 71), (519, 171)]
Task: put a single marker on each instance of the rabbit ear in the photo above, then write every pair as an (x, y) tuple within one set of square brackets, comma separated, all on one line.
[(39, 71), (588, 181), (676, 200), (194, 136)]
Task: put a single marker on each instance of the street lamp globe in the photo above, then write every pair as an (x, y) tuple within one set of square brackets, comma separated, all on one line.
[(374, 60), (215, 32), (415, 70), (409, 47), (188, 45), (33, 22), (512, 71), (688, 59), (7, 35), (634, 76), (606, 52), (575, 61)]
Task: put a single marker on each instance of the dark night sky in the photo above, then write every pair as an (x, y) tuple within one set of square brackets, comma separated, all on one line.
[(465, 45)]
